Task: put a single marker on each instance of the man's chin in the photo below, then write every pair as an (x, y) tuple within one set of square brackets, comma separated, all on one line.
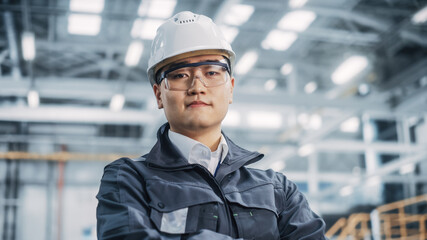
[(201, 125)]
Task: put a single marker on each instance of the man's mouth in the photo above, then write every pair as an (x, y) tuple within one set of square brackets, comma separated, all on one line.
[(198, 104)]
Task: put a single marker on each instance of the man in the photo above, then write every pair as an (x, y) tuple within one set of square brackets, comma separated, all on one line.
[(194, 183)]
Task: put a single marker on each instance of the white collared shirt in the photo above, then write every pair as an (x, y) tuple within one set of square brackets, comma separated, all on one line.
[(196, 152)]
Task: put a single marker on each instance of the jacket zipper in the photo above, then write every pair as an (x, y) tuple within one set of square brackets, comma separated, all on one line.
[(227, 208), (199, 168)]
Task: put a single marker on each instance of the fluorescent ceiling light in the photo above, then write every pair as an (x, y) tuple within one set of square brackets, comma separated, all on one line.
[(238, 14), (297, 20), (420, 16), (247, 61), (351, 125), (134, 53), (230, 33), (279, 40), (310, 87), (315, 122), (346, 191), (92, 6), (306, 150), (232, 119), (33, 99), (117, 102), (157, 8), (286, 69), (28, 46), (145, 29), (297, 3), (270, 84), (278, 166), (349, 69), (84, 24), (260, 119)]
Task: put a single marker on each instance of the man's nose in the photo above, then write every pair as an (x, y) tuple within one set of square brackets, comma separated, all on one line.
[(197, 84)]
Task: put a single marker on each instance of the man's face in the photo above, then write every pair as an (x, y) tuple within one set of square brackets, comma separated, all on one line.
[(198, 108)]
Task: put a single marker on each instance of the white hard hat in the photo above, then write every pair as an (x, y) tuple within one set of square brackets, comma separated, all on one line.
[(185, 35)]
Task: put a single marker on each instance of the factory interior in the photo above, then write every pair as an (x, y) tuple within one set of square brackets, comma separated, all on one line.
[(332, 92)]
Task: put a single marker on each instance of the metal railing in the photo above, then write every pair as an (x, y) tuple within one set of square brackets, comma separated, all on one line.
[(399, 220)]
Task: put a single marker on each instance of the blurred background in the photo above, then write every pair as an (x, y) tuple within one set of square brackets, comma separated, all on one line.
[(333, 92)]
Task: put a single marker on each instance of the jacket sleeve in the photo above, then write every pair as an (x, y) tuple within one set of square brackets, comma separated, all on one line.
[(123, 208), (296, 219)]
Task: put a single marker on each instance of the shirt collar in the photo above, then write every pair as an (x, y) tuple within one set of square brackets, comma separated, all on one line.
[(186, 145)]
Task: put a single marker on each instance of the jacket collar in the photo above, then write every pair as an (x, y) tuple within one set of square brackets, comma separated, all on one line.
[(164, 154)]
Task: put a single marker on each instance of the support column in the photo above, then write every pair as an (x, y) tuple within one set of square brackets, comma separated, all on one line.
[(372, 162), (403, 137)]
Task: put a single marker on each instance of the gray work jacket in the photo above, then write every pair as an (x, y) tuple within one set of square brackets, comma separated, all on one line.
[(162, 196)]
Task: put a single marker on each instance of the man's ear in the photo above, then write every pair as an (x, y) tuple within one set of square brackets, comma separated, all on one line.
[(231, 90), (157, 93)]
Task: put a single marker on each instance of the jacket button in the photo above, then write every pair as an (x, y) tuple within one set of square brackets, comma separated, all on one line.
[(161, 205)]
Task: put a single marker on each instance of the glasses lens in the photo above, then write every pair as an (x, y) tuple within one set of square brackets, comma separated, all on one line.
[(211, 75)]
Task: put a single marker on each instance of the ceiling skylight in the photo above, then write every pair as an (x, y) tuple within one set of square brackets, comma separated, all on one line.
[(230, 33), (134, 53), (238, 14), (91, 6), (349, 69), (297, 20), (297, 3), (157, 8), (279, 40), (246, 62), (145, 29), (84, 24)]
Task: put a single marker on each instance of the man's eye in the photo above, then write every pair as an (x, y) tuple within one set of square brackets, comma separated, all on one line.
[(212, 73), (177, 76)]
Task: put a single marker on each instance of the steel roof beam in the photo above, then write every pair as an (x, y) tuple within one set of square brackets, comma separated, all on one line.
[(80, 88), (59, 113), (363, 19), (13, 44), (384, 170), (407, 76)]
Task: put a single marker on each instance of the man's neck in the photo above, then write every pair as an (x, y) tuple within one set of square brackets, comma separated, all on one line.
[(209, 137)]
